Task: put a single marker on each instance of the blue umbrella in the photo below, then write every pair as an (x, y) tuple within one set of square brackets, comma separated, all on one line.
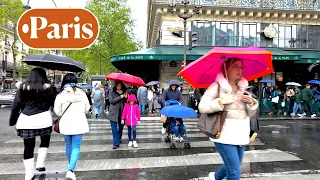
[(267, 81), (178, 111), (152, 83), (314, 82)]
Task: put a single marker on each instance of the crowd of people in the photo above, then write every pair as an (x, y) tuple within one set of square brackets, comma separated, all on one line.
[(295, 101), (124, 106)]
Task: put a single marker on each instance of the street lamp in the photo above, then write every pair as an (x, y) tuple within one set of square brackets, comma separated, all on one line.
[(185, 16), (100, 60), (27, 7)]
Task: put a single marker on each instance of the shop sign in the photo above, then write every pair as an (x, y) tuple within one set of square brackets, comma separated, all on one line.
[(281, 58), (173, 64), (9, 74)]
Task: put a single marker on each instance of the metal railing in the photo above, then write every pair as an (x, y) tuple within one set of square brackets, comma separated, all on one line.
[(265, 4)]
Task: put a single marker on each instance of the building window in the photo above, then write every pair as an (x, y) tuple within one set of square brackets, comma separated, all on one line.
[(204, 30), (225, 34)]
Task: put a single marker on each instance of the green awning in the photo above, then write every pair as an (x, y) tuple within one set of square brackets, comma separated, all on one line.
[(279, 54), (307, 56), (175, 52)]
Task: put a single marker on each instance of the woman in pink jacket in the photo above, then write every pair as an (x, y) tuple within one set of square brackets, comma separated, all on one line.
[(131, 116)]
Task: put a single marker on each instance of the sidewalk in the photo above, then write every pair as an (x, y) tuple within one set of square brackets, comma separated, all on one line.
[(283, 117), (289, 177)]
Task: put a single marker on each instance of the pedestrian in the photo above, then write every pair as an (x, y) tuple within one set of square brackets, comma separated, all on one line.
[(117, 98), (98, 98), (131, 117), (266, 95), (316, 100), (172, 93), (156, 99), (297, 104), (73, 105), (306, 97), (150, 99), (31, 114), (240, 105), (275, 100), (88, 93), (106, 96), (142, 95), (289, 96)]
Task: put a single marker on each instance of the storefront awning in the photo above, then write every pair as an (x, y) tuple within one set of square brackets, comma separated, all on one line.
[(307, 56), (279, 54), (175, 52)]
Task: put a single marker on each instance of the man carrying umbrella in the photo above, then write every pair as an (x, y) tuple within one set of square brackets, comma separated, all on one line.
[(172, 93), (307, 96)]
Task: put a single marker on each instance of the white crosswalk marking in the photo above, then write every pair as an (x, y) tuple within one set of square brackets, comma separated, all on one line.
[(98, 155)]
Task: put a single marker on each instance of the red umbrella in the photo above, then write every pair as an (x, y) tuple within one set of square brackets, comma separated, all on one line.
[(126, 78)]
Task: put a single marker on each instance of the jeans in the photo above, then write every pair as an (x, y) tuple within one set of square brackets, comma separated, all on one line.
[(288, 106), (97, 110), (132, 129), (296, 106), (265, 105), (314, 103), (142, 107), (73, 143), (179, 130), (115, 134), (232, 156)]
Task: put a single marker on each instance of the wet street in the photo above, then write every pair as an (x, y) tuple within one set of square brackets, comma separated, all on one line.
[(285, 149)]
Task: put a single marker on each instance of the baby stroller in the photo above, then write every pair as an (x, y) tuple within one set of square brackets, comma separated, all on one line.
[(171, 123)]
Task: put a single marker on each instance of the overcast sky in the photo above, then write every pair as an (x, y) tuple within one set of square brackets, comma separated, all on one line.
[(139, 12)]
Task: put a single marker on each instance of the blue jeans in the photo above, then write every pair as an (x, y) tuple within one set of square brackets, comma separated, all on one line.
[(142, 107), (288, 106), (97, 110), (115, 133), (296, 106), (179, 130), (73, 143), (265, 105), (132, 129), (232, 156)]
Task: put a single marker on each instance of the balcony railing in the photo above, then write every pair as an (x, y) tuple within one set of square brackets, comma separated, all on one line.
[(313, 5)]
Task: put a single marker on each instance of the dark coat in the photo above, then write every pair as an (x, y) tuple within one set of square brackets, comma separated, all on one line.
[(307, 94), (116, 106)]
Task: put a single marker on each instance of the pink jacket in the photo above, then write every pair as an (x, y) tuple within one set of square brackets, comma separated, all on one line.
[(131, 113)]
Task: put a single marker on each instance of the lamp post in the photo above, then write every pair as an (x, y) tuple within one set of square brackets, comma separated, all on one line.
[(185, 16)]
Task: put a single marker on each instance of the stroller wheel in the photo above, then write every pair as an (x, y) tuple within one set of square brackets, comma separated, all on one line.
[(187, 145), (172, 146)]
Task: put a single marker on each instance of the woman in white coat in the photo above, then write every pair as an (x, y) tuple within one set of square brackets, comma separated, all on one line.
[(74, 123), (239, 105)]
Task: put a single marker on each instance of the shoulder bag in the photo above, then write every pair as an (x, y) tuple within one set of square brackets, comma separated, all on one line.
[(211, 124), (56, 126)]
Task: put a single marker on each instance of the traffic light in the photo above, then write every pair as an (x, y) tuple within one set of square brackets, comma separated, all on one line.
[(192, 40)]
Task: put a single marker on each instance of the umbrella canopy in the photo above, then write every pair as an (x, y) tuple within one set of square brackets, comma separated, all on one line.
[(126, 78), (152, 83), (267, 81), (178, 111), (314, 82), (54, 62), (292, 84), (202, 72), (310, 68)]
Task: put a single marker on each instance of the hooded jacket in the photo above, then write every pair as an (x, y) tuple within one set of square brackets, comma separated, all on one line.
[(131, 113), (74, 120), (172, 94), (97, 97)]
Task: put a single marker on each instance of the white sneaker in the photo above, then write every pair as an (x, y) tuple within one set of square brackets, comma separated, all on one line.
[(163, 130), (181, 139), (70, 176), (176, 138), (130, 144), (304, 114), (285, 113), (212, 176), (300, 115), (293, 114), (313, 115), (135, 144)]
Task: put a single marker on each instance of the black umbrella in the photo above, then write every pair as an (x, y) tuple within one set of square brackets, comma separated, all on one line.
[(54, 62)]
